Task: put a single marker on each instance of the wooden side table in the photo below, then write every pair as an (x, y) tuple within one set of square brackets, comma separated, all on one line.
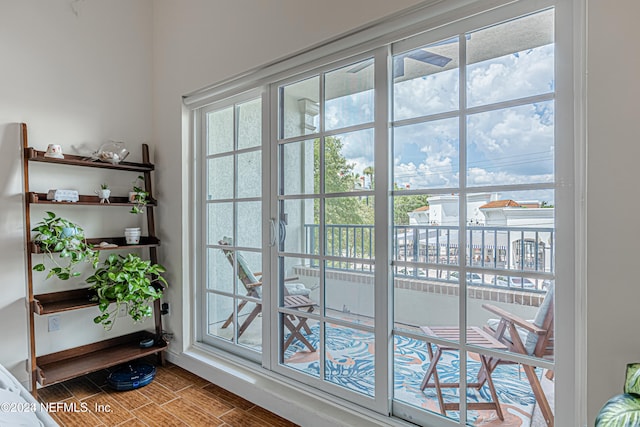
[(476, 336), (299, 302)]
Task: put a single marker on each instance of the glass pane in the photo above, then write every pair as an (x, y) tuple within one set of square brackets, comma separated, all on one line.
[(349, 358), (349, 292), (299, 333), (219, 222), (220, 271), (298, 336), (220, 131), (511, 146), (299, 167), (426, 155), (250, 174), (349, 95), (220, 316), (349, 230), (425, 243), (299, 108), (426, 80), (220, 178), (249, 274), (410, 363), (348, 162), (249, 124), (513, 231), (508, 384), (301, 276), (249, 224), (299, 227), (511, 60), (250, 321)]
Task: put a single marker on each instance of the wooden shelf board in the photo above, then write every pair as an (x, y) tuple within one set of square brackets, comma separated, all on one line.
[(65, 365), (56, 302), (70, 159), (145, 242), (85, 200)]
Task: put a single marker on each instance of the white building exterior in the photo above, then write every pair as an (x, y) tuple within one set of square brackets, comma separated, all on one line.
[(503, 233)]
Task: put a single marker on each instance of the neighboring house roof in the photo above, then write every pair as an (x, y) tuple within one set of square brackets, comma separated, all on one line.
[(421, 209), (530, 205), (501, 204)]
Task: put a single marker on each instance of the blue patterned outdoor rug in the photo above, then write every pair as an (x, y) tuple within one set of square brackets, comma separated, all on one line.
[(350, 363)]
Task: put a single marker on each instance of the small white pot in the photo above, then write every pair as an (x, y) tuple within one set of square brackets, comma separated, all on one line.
[(132, 235)]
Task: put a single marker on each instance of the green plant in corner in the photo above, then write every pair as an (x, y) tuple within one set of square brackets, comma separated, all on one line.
[(623, 410), (127, 280), (58, 235), (140, 197)]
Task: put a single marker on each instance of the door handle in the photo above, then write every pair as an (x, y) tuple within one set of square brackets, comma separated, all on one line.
[(272, 236)]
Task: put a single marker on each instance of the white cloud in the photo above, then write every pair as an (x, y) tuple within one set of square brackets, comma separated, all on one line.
[(437, 93), (509, 146), (511, 76), (479, 177)]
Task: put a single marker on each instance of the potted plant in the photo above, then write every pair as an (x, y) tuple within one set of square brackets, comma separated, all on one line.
[(127, 280), (623, 410), (104, 193), (138, 196), (58, 235)]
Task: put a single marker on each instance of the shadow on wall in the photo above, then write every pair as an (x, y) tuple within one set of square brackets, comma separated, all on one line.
[(11, 216), (13, 311), (15, 348)]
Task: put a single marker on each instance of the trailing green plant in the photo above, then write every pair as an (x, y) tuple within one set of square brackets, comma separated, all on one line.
[(127, 280), (140, 197), (56, 235)]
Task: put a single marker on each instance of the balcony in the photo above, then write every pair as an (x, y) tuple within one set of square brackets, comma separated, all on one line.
[(508, 267)]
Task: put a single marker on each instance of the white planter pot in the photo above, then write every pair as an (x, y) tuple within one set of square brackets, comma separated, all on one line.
[(132, 235)]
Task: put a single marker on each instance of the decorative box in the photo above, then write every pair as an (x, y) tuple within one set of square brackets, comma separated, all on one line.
[(63, 195)]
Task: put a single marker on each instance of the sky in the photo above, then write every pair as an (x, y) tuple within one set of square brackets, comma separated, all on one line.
[(505, 146)]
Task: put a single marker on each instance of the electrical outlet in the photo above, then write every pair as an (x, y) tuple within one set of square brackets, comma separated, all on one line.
[(54, 323), (122, 310)]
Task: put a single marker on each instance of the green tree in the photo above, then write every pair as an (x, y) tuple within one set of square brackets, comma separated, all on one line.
[(338, 178), (402, 205)]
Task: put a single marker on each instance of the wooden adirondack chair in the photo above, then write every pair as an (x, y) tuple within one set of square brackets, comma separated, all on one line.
[(531, 338), (296, 297)]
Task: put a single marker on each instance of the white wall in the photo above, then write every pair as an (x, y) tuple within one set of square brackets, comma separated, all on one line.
[(613, 202), (76, 72)]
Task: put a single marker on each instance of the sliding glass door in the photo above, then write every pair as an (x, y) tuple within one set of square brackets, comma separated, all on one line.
[(382, 227), (325, 211), (474, 223)]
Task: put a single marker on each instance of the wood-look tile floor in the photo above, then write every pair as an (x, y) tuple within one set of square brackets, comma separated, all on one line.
[(176, 397)]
